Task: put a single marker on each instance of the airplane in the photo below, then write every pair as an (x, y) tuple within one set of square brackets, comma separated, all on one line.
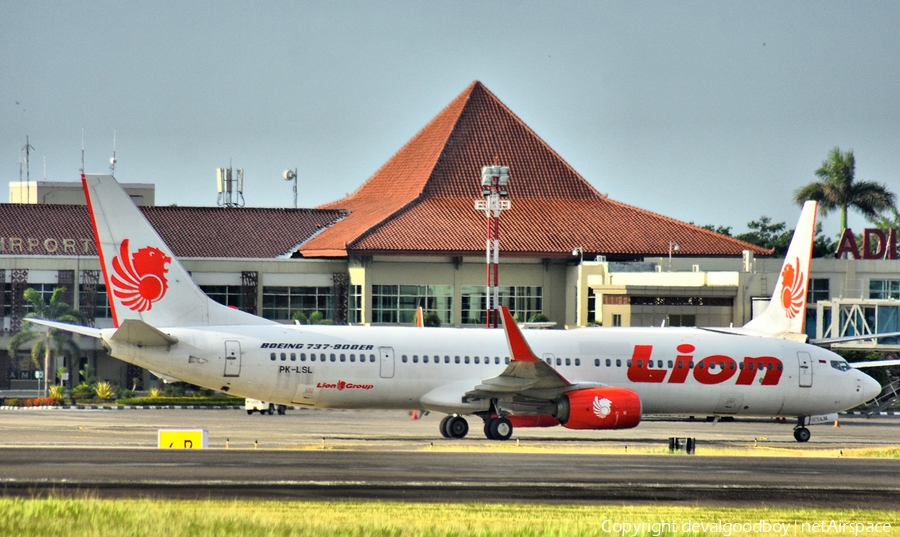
[(589, 378)]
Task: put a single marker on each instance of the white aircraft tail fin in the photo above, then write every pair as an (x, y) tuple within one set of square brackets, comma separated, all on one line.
[(144, 280), (785, 316)]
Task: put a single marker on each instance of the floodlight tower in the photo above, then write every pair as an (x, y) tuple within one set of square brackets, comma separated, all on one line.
[(494, 191)]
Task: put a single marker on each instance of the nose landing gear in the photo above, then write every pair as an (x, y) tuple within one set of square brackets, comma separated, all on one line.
[(801, 433)]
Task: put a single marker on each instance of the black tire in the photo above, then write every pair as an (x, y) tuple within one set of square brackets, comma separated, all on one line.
[(443, 426), (802, 434), (501, 429), (487, 428), (271, 409), (457, 427), (250, 412), (281, 410)]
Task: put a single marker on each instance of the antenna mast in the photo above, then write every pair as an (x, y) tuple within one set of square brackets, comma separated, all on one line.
[(112, 161), (230, 184), (82, 150), (28, 147)]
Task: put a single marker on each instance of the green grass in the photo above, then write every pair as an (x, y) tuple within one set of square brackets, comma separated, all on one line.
[(66, 517)]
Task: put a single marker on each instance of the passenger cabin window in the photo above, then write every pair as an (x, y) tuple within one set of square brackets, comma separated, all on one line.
[(577, 361), (283, 357), (293, 357), (403, 359), (272, 356)]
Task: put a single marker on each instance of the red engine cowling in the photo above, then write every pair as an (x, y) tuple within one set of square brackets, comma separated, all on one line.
[(600, 408)]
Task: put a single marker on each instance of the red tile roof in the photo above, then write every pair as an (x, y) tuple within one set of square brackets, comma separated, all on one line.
[(421, 201), (189, 231)]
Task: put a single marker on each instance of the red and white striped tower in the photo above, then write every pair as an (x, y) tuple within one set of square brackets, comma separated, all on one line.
[(494, 181)]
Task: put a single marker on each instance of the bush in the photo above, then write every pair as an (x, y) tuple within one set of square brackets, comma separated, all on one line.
[(83, 391), (42, 401), (105, 390), (57, 392)]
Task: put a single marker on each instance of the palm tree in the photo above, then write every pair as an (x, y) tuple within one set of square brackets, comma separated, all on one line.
[(46, 342), (838, 190)]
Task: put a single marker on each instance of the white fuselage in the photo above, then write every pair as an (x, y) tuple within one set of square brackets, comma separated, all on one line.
[(690, 371)]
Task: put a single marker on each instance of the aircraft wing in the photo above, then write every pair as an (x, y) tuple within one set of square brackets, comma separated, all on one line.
[(825, 342), (526, 375), (74, 328), (876, 363)]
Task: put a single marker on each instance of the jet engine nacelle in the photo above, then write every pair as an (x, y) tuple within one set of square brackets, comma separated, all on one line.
[(599, 408)]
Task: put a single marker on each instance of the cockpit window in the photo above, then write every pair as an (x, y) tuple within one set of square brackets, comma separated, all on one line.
[(840, 365)]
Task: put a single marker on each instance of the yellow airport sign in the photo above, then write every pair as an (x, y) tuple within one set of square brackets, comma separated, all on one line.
[(183, 439)]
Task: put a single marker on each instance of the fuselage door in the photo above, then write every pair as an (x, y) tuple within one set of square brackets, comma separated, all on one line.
[(232, 358), (387, 362), (805, 369)]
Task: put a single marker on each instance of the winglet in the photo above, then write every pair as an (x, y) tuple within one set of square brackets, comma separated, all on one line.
[(518, 347), (786, 314)]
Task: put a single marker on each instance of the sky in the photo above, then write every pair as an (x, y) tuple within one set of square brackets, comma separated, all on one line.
[(707, 112)]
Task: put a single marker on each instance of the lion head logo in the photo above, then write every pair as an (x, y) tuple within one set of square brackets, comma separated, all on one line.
[(602, 407), (140, 279), (793, 289)]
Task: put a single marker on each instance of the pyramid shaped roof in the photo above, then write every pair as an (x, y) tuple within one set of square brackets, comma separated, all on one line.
[(420, 202)]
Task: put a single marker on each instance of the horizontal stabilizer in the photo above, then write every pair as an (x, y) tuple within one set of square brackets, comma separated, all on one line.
[(74, 328), (139, 333)]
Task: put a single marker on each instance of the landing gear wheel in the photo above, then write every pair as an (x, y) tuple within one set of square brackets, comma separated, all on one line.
[(443, 426), (487, 428), (501, 429), (457, 427), (801, 434)]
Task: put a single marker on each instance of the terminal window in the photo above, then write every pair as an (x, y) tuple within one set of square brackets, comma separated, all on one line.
[(818, 290), (280, 303), (884, 289), (523, 300), (398, 303)]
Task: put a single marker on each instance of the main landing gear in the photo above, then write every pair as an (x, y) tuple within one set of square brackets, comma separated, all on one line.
[(801, 433), (454, 426), (497, 428)]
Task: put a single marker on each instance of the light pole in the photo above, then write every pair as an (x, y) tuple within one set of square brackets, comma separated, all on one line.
[(579, 251), (673, 246), (494, 181), (291, 175)]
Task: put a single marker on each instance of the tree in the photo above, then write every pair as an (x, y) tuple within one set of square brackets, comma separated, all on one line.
[(838, 189), (886, 223), (47, 342), (766, 234)]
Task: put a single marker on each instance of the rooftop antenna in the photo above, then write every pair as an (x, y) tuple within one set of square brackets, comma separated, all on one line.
[(82, 150), (112, 161), (230, 184), (28, 147)]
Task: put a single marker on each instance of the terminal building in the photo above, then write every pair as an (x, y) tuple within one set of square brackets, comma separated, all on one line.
[(411, 236)]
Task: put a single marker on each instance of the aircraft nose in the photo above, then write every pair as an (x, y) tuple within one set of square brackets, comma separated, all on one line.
[(870, 388)]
